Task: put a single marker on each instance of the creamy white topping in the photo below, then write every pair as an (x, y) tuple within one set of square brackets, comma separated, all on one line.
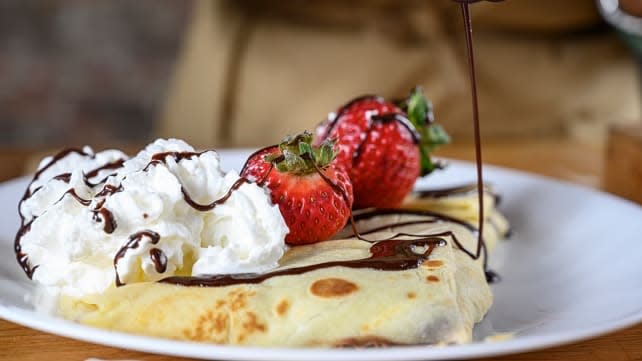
[(75, 251)]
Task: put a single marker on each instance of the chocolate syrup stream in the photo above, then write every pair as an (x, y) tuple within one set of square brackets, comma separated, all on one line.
[(468, 27)]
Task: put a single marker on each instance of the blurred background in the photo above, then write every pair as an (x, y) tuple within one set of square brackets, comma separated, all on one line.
[(245, 73)]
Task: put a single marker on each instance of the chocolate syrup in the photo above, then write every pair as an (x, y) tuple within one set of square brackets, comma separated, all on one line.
[(72, 192), (208, 207), (133, 243), (21, 257), (374, 120), (390, 254), (64, 177), (159, 259), (178, 156), (111, 165), (468, 27), (337, 116), (387, 255), (107, 217), (461, 190), (108, 190), (432, 218), (56, 158), (385, 118)]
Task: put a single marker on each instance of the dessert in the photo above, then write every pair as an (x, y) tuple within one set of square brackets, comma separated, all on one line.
[(166, 244), (417, 289)]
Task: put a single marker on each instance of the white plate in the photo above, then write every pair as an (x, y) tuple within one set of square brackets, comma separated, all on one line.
[(572, 270)]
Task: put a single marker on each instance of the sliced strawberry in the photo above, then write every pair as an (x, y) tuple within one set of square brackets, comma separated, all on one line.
[(314, 194)]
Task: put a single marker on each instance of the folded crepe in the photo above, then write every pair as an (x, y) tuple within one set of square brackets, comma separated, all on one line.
[(409, 280)]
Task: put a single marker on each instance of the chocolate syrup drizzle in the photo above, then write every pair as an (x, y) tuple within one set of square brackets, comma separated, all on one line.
[(160, 260), (374, 120), (387, 254), (465, 11), (100, 214), (385, 118), (390, 254), (133, 243)]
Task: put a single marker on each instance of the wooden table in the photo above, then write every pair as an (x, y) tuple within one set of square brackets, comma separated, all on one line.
[(574, 162)]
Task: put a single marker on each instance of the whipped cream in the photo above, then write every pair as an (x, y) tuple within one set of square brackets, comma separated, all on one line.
[(94, 220)]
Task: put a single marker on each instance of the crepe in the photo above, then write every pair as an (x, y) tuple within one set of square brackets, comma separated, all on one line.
[(435, 301), (461, 202)]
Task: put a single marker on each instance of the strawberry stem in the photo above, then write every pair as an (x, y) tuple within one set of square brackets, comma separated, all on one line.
[(299, 157), (420, 113)]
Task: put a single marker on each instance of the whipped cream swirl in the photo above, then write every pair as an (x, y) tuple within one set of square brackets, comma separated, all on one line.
[(94, 220)]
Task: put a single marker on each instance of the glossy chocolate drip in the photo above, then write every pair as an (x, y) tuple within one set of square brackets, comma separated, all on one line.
[(386, 118), (133, 243), (386, 255), (159, 259), (161, 158), (208, 207), (178, 156), (111, 165), (456, 191), (267, 150), (21, 257), (64, 177), (101, 214), (447, 192), (337, 116), (107, 217), (56, 158), (374, 119), (81, 200), (433, 217), (401, 119), (157, 256), (109, 189), (468, 27)]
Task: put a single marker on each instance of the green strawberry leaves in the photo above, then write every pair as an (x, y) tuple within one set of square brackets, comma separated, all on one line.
[(298, 156), (420, 113)]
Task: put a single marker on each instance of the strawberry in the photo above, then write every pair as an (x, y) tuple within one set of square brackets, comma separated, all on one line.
[(314, 194), (384, 146)]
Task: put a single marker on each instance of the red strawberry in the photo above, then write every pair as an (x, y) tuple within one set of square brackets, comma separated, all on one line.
[(383, 148), (313, 194)]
